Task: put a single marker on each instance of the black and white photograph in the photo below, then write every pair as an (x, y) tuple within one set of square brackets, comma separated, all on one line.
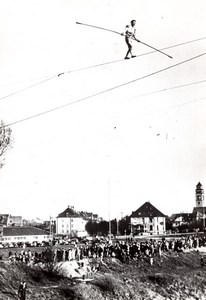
[(102, 149)]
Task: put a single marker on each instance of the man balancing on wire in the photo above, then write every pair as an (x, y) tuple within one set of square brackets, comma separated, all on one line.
[(129, 34)]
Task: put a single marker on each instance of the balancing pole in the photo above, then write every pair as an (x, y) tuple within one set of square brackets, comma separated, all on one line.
[(153, 48), (97, 27)]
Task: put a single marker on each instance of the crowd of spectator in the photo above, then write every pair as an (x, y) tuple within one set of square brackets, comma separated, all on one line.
[(125, 251)]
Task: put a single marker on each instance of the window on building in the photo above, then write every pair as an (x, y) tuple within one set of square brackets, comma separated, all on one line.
[(150, 219), (62, 231), (151, 228)]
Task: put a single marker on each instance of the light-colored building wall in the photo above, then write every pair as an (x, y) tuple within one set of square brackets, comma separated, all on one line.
[(15, 221), (26, 238), (154, 225), (71, 226)]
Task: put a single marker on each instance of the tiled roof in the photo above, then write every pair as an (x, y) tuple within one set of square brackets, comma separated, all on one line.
[(173, 216), (69, 212), (85, 214), (184, 216), (146, 210), (18, 231)]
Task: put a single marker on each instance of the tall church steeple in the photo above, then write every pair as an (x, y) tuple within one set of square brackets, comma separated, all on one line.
[(199, 195)]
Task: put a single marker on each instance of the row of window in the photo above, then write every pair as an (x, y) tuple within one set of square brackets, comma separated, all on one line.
[(21, 238), (66, 231), (151, 219), (16, 238)]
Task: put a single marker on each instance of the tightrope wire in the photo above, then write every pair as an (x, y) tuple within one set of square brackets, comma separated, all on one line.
[(90, 67), (104, 91)]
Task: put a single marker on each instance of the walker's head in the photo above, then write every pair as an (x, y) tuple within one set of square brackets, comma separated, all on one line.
[(133, 22)]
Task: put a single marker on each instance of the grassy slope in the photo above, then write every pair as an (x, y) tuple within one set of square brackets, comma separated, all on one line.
[(178, 276)]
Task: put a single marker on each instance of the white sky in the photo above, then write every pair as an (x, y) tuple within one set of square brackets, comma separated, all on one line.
[(117, 150)]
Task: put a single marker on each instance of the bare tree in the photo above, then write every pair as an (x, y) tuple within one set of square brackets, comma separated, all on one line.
[(5, 141)]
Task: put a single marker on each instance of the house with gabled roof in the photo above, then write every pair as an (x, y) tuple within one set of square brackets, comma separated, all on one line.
[(148, 220), (182, 219), (90, 216), (71, 223), (9, 220)]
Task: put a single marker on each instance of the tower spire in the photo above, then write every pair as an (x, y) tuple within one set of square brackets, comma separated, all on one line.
[(199, 195)]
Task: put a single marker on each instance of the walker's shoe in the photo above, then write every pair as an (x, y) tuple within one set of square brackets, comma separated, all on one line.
[(133, 56), (126, 57)]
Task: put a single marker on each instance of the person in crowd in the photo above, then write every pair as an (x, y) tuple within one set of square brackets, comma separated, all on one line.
[(22, 290)]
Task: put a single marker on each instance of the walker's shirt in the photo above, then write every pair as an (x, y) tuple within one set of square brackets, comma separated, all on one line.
[(130, 30)]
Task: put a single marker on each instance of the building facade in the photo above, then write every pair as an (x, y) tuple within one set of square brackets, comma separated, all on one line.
[(200, 210), (70, 223), (198, 213), (182, 219), (24, 235), (9, 220), (147, 220)]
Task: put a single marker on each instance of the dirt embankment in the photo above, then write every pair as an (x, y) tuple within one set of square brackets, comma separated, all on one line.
[(177, 276)]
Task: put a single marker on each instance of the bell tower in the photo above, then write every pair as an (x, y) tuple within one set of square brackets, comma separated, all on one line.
[(199, 195)]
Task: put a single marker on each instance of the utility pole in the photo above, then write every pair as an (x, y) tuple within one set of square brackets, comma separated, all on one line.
[(131, 229), (110, 231), (117, 226), (49, 225)]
